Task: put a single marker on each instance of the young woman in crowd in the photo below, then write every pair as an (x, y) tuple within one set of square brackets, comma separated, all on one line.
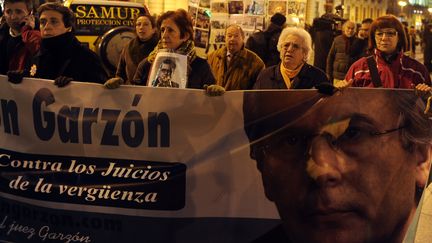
[(135, 51)]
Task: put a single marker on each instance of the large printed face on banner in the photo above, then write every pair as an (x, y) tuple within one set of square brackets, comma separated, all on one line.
[(341, 169)]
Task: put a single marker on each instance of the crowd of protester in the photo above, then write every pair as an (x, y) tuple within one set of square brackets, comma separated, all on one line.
[(379, 54)]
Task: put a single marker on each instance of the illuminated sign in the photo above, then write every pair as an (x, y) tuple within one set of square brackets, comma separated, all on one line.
[(98, 19)]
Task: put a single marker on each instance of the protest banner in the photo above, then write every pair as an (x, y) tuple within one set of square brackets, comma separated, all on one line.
[(143, 164)]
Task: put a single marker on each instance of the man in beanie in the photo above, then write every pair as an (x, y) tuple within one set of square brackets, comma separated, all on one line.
[(264, 43)]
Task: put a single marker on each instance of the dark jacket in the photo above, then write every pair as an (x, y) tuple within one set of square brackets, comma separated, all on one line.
[(64, 55), (427, 52), (338, 59), (322, 36), (199, 75), (308, 77), (358, 49), (264, 44), (132, 54)]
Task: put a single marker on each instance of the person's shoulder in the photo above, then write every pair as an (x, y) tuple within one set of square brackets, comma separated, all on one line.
[(313, 72), (248, 54), (408, 62), (216, 53), (312, 69)]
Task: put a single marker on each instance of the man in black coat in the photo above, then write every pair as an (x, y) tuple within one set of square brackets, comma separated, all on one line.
[(61, 57), (264, 43), (323, 33)]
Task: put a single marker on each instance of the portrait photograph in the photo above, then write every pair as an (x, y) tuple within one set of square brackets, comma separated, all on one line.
[(219, 7), (254, 7), (201, 38), (168, 70), (202, 20), (235, 7), (204, 3), (276, 7)]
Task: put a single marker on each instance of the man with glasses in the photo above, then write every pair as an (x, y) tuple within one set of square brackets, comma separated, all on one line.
[(387, 67), (345, 168), (164, 74)]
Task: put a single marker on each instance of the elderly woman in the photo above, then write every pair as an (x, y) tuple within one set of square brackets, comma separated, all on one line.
[(177, 34), (294, 45), (135, 51), (388, 67)]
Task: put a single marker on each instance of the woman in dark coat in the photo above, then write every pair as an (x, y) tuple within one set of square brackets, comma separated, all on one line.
[(135, 51), (292, 72), (177, 35)]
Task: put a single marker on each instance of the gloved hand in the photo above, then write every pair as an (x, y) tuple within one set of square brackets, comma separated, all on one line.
[(423, 90), (343, 84), (62, 81), (214, 90), (113, 83), (15, 76)]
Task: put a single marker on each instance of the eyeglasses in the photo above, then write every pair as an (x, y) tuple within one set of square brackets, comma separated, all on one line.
[(380, 34), (357, 139)]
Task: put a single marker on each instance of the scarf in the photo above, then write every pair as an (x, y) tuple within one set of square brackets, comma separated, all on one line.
[(289, 74), (138, 49), (187, 48)]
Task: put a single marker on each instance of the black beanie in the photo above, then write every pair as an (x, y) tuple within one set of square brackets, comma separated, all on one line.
[(278, 19)]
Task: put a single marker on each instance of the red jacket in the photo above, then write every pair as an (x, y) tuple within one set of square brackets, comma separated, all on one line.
[(403, 72), (26, 49)]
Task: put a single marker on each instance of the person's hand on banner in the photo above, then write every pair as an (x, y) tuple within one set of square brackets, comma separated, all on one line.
[(15, 76), (424, 91), (214, 90), (343, 84), (62, 81), (113, 83)]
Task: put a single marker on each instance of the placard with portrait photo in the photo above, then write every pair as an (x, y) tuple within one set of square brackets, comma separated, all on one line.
[(168, 70)]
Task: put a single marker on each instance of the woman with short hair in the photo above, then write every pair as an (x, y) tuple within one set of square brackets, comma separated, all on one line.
[(294, 45), (135, 51), (387, 67)]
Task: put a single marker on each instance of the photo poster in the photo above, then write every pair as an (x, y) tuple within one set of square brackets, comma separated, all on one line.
[(168, 70), (200, 13), (249, 14), (219, 21)]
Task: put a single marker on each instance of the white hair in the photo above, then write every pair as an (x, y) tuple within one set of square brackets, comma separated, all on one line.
[(299, 32)]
